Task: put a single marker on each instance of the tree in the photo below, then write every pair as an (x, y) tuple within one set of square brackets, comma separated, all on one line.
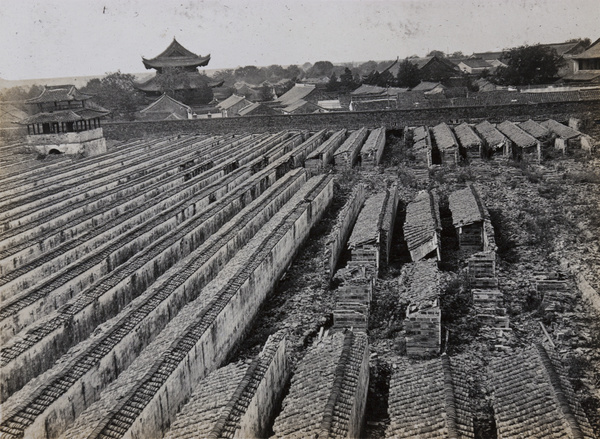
[(408, 74), (437, 53), (116, 93), (250, 74), (527, 65), (293, 71), (347, 82), (320, 69), (457, 54), (333, 84)]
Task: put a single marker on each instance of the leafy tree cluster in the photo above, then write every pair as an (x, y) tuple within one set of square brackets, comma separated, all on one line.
[(116, 93), (18, 95), (528, 65)]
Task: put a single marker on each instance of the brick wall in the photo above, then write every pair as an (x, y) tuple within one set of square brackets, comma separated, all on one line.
[(352, 120)]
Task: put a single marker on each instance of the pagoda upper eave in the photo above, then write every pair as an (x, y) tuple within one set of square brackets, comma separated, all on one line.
[(166, 62)]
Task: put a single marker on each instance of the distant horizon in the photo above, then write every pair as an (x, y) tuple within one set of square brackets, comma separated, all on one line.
[(44, 39)]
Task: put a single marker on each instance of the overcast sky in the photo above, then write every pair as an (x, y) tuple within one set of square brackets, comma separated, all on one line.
[(56, 38)]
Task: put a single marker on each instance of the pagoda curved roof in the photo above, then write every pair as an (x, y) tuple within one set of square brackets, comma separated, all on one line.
[(176, 56), (65, 116), (59, 93), (186, 81)]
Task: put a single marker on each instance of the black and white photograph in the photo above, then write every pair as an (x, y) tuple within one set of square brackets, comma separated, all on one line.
[(303, 219)]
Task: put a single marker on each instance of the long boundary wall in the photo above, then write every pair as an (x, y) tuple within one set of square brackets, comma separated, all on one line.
[(354, 120)]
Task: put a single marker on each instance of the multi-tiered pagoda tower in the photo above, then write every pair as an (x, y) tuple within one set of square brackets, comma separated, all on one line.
[(177, 75)]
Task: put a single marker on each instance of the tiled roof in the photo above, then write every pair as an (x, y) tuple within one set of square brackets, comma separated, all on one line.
[(301, 104), (488, 55), (352, 141), (231, 101), (422, 219), (582, 75), (532, 397), (323, 388), (176, 56), (366, 228), (222, 398), (516, 134), (444, 138), (331, 104), (563, 48), (592, 52), (466, 207), (466, 136), (256, 107), (560, 130), (430, 400), (165, 103), (296, 93), (210, 398), (64, 116), (426, 86), (535, 129), (420, 133), (476, 63), (490, 134), (59, 93)]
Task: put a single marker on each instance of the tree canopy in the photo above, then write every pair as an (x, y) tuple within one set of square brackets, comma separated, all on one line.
[(116, 93), (527, 65), (408, 74)]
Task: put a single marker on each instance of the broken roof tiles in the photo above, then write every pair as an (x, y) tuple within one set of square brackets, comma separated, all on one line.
[(430, 400), (419, 281), (532, 397)]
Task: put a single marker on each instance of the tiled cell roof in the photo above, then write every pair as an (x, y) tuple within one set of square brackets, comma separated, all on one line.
[(466, 207), (366, 228), (422, 219), (490, 134), (560, 130), (466, 136), (533, 398), (323, 388), (430, 400), (516, 134), (443, 136), (535, 129)]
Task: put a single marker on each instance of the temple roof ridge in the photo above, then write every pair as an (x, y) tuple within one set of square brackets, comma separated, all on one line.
[(175, 55)]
